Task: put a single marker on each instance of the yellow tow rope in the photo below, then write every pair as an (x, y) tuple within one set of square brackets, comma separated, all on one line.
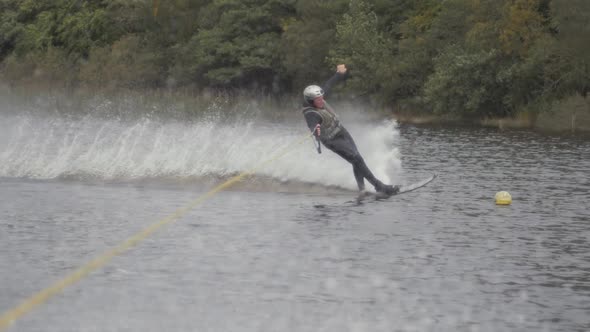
[(39, 298)]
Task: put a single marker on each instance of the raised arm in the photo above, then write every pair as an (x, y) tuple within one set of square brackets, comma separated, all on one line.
[(340, 76)]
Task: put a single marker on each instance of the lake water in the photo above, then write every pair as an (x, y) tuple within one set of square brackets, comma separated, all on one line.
[(289, 249)]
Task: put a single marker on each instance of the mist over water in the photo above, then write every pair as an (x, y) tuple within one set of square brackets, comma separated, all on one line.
[(104, 145)]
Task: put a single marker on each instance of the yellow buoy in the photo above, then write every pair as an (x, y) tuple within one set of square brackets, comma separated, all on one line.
[(503, 198)]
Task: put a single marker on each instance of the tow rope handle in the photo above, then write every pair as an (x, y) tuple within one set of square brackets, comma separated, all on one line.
[(317, 138)]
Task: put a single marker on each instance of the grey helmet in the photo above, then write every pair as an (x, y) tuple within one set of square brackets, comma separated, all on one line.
[(312, 92)]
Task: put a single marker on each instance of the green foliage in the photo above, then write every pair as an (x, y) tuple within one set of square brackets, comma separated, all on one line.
[(467, 57), (412, 61), (308, 35), (73, 25), (483, 68), (466, 83), (568, 63), (361, 44), (51, 68), (10, 28), (241, 48), (130, 62)]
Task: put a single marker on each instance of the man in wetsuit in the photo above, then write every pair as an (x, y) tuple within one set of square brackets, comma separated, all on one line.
[(326, 127)]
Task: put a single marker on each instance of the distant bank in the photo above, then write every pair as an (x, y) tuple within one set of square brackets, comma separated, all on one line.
[(569, 116)]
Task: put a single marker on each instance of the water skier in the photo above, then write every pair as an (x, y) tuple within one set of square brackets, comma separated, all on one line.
[(326, 127)]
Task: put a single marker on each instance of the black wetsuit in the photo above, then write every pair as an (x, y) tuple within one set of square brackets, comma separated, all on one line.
[(343, 144)]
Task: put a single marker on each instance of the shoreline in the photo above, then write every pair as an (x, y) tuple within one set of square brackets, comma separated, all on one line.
[(570, 116)]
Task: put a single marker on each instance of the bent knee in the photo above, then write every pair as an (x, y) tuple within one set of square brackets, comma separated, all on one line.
[(357, 158)]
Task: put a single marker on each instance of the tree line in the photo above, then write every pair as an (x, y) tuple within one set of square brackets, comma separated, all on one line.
[(463, 57)]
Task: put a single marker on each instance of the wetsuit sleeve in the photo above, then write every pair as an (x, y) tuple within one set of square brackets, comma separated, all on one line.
[(337, 78), (312, 119)]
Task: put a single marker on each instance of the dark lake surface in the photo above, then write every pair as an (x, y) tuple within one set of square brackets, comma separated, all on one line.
[(286, 250)]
